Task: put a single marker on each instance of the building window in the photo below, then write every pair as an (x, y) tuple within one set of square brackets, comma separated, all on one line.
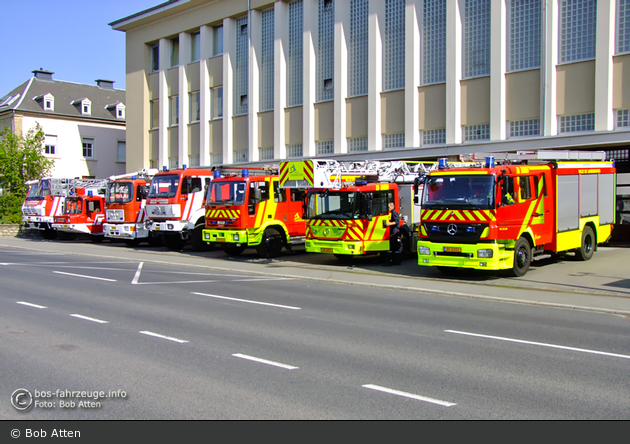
[(155, 57), (121, 151), (358, 48), (174, 52), (477, 132), (173, 110), (267, 61), (524, 128), (266, 153), (216, 158), (217, 40), (85, 106), (294, 55), (172, 163), (524, 34), (155, 113), (47, 101), (195, 110), (88, 147), (216, 102), (434, 136), (357, 144), (325, 147), (120, 111), (241, 156), (577, 123), (623, 118), (193, 160), (50, 145), (394, 45), (623, 26), (578, 19), (394, 140), (194, 47), (476, 38), (434, 42), (241, 68), (325, 50), (295, 150)]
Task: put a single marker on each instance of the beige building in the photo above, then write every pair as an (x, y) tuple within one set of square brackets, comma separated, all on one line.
[(211, 82)]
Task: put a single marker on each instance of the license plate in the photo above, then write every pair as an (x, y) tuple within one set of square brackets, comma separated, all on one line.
[(220, 239), (65, 226), (453, 249), (157, 228), (29, 219), (327, 250)]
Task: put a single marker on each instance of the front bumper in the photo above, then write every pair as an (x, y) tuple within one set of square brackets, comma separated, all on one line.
[(169, 226), (125, 231), (38, 222), (224, 236), (467, 256), (353, 248), (74, 228)]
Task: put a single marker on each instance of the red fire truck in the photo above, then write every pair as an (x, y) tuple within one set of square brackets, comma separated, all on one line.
[(44, 201), (253, 211), (347, 203), (497, 216), (125, 215), (84, 209), (176, 205)]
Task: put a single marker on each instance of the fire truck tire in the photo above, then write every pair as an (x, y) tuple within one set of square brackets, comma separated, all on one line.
[(49, 233), (132, 242), (174, 242), (196, 238), (154, 241), (345, 258), (522, 257), (96, 239), (233, 250), (271, 244), (586, 250)]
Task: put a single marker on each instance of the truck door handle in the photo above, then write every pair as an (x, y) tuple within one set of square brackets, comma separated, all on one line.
[(537, 214), (384, 223)]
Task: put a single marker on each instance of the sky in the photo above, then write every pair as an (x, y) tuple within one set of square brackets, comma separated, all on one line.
[(71, 38)]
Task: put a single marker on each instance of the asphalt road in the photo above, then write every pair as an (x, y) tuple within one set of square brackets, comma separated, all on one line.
[(185, 343)]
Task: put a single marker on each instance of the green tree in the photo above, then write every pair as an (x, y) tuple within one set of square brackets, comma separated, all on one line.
[(21, 159)]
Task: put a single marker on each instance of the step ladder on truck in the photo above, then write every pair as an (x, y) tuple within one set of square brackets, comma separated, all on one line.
[(125, 208), (346, 203), (251, 210), (510, 208)]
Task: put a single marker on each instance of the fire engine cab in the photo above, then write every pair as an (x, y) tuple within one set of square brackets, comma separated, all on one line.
[(498, 215), (253, 211), (84, 209), (44, 201)]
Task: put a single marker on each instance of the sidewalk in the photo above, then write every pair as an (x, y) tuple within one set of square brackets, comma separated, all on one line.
[(601, 284)]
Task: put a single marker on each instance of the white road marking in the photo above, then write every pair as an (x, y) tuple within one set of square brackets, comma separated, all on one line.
[(181, 341), (172, 282), (83, 276), (409, 395), (540, 343), (260, 279), (245, 300), (31, 305), (137, 275), (89, 319), (264, 361)]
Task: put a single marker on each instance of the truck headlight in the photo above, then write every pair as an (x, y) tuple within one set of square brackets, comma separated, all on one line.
[(235, 237), (206, 236), (170, 226), (424, 250), (484, 253)]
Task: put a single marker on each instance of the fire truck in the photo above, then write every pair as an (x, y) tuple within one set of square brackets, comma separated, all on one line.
[(347, 203), (176, 205), (44, 201), (125, 215), (253, 211), (84, 209), (499, 215)]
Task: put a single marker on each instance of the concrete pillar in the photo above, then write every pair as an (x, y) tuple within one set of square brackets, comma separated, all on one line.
[(413, 14), (376, 24), (253, 95), (311, 15), (229, 52), (164, 52), (340, 81), (184, 117), (205, 52), (498, 58), (281, 42), (548, 74), (604, 52)]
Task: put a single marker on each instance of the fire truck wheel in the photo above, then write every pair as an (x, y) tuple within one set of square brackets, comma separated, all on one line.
[(522, 257), (585, 252), (271, 244), (132, 242), (196, 238), (233, 250), (96, 239), (174, 242), (345, 258), (49, 233), (154, 241)]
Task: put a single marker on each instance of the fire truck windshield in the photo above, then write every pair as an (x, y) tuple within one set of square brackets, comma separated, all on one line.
[(164, 186), (459, 191), (332, 205), (119, 192), (33, 193), (73, 205), (228, 192)]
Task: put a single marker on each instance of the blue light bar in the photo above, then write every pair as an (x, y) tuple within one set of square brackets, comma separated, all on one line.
[(442, 163), (490, 162), (164, 168), (184, 166), (245, 173), (217, 174), (89, 193)]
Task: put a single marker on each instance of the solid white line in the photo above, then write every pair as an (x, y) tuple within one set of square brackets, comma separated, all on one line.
[(260, 279), (83, 276), (409, 395), (89, 319), (181, 341), (540, 343), (244, 300), (264, 361), (172, 282), (137, 275), (31, 305)]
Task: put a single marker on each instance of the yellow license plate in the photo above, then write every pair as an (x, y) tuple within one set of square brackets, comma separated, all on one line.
[(220, 239), (157, 228), (453, 249), (327, 250), (65, 226)]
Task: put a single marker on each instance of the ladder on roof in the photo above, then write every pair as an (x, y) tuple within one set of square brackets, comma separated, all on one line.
[(145, 173), (548, 155)]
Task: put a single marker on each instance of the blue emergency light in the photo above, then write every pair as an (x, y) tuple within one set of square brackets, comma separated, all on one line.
[(442, 163), (133, 177), (490, 162), (164, 168), (183, 166), (245, 173), (89, 193), (217, 174)]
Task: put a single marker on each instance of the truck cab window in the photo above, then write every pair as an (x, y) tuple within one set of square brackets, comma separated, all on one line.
[(279, 195)]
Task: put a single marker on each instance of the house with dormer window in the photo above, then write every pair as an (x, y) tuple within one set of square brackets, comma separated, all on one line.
[(84, 125)]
